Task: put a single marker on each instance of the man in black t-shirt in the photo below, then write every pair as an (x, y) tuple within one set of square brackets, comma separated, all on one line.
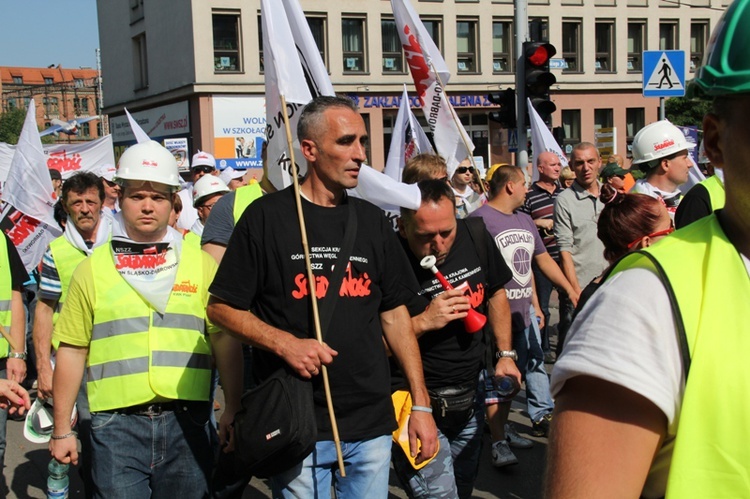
[(451, 356), (263, 270)]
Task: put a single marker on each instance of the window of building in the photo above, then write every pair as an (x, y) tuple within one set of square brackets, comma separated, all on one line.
[(140, 62), (393, 53), (466, 45), (668, 32), (354, 42), (18, 80), (604, 33), (502, 46), (227, 42), (434, 28), (85, 129), (603, 118), (636, 45), (81, 105), (538, 28), (319, 28), (698, 39), (571, 123), (51, 106), (78, 82), (635, 119), (48, 80), (572, 46)]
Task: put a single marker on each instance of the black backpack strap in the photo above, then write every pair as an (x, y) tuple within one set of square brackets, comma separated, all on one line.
[(682, 341)]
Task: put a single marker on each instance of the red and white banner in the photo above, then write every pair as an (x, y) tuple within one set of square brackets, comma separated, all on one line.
[(27, 216), (66, 158), (408, 140), (430, 75)]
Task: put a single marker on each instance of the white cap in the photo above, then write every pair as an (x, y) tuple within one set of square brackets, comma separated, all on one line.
[(228, 174), (202, 158), (658, 140), (206, 186), (107, 172)]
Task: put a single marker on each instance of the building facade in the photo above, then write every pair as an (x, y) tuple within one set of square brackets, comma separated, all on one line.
[(59, 93), (197, 65)]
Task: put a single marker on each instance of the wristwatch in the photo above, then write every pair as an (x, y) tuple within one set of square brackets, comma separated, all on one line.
[(507, 353)]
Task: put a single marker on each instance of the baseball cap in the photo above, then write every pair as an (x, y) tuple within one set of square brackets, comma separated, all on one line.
[(202, 158), (612, 169), (228, 174)]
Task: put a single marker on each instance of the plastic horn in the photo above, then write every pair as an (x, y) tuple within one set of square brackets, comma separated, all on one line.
[(474, 321)]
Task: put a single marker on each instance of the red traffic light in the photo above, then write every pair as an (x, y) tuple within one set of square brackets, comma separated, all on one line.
[(539, 54)]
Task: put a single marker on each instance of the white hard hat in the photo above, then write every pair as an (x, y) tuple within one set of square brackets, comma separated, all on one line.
[(658, 140), (228, 174), (40, 422), (148, 162), (202, 158), (107, 171), (206, 186)]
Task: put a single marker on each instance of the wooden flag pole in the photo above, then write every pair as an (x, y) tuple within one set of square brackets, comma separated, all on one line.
[(458, 127), (8, 338), (311, 286)]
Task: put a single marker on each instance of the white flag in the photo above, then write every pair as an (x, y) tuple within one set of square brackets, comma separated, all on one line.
[(316, 73), (385, 192), (284, 76), (408, 140), (140, 135), (426, 64), (542, 141), (27, 218)]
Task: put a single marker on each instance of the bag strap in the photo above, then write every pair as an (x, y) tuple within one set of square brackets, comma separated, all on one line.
[(342, 262)]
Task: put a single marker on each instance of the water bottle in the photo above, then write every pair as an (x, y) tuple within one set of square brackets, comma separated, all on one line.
[(58, 482), (506, 387)]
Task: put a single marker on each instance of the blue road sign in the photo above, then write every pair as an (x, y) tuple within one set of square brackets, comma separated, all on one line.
[(664, 73)]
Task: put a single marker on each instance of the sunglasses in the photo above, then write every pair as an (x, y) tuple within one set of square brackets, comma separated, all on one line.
[(464, 169), (660, 233), (202, 169)]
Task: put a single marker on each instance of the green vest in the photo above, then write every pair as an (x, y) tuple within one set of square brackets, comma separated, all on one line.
[(192, 238), (243, 197), (716, 192), (6, 294), (66, 258), (710, 284), (138, 355)]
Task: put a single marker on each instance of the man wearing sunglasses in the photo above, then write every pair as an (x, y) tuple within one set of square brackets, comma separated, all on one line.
[(203, 164), (467, 200)]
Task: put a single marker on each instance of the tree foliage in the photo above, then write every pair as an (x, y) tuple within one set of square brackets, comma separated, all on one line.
[(686, 112), (11, 123)]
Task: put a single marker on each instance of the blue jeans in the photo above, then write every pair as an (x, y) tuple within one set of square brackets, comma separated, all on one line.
[(453, 471), (543, 292), (167, 455), (531, 364), (367, 468)]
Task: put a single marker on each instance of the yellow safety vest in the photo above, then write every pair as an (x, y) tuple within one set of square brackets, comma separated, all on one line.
[(710, 284), (6, 294), (192, 238), (66, 258), (138, 355), (716, 193), (243, 197)]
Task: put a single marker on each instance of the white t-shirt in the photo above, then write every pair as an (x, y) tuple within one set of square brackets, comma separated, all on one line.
[(188, 215), (625, 334)]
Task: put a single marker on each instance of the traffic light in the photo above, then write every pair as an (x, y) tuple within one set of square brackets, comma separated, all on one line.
[(506, 115), (537, 76)]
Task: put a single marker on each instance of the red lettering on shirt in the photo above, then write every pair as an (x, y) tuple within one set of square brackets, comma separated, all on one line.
[(321, 287), (140, 261)]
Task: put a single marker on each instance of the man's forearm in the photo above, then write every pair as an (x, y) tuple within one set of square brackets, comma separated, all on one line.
[(400, 337), (569, 270), (228, 354), (71, 361), (42, 332), (247, 326), (215, 250), (17, 322), (498, 316)]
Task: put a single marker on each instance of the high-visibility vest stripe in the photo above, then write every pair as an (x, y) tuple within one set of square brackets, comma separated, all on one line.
[(118, 368), (4, 305), (181, 359), (179, 321), (119, 326), (6, 293)]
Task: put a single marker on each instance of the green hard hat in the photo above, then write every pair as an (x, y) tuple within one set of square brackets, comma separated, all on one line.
[(726, 63)]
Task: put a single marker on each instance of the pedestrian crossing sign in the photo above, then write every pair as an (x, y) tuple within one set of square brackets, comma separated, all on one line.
[(664, 73)]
